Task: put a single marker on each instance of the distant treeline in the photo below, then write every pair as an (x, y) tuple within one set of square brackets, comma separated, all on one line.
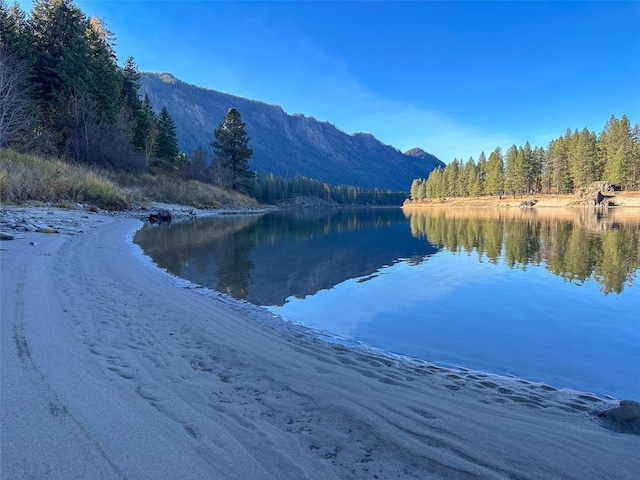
[(272, 189), (570, 251), (572, 161)]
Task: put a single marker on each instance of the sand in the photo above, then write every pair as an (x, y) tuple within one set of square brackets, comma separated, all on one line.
[(621, 199), (111, 368)]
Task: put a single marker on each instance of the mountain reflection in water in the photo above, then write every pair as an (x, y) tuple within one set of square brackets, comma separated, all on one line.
[(266, 259), (539, 294)]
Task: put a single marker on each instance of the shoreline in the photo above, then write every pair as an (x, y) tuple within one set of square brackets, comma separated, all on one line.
[(529, 202), (112, 367)]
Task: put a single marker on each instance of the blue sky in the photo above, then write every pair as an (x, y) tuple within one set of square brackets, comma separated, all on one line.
[(454, 78)]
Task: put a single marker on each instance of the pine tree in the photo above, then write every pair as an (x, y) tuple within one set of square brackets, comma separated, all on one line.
[(104, 78), (231, 149), (415, 189), (147, 130), (422, 190), (137, 119), (166, 150), (529, 168), (536, 168), (635, 163), (451, 178), (617, 145), (481, 178), (77, 81), (562, 178), (514, 177), (495, 173), (15, 34), (470, 176), (583, 158), (435, 186), (61, 49)]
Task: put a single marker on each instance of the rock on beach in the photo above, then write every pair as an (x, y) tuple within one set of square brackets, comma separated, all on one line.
[(625, 418), (17, 220)]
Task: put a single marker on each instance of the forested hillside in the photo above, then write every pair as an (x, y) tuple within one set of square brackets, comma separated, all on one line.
[(287, 145), (573, 160), (64, 94)]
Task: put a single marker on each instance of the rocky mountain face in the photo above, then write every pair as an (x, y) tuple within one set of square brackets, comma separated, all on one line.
[(287, 145)]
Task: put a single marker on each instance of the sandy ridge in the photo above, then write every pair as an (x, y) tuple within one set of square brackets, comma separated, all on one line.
[(112, 368)]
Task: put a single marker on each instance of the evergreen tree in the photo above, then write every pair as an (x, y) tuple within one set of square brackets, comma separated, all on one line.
[(495, 173), (231, 149), (635, 159), (131, 84), (529, 168), (470, 176), (562, 178), (166, 150), (147, 130), (451, 178), (15, 34), (435, 186), (104, 78), (422, 190), (61, 49), (617, 146), (415, 189), (77, 81), (514, 178), (536, 168), (136, 118), (548, 172), (481, 178), (583, 158), (439, 185)]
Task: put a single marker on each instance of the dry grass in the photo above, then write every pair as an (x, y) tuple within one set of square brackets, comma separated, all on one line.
[(27, 177), (170, 189), (31, 178)]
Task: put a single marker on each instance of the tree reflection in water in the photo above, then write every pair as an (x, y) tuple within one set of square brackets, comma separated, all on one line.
[(266, 259), (575, 244)]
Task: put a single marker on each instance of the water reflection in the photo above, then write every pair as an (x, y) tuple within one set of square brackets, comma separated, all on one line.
[(491, 290), (576, 244), (266, 259)]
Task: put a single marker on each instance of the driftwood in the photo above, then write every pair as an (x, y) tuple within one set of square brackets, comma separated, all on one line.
[(163, 216)]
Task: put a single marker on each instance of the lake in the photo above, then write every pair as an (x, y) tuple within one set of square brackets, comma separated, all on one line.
[(544, 295)]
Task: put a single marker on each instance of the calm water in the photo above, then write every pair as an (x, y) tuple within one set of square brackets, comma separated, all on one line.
[(547, 296)]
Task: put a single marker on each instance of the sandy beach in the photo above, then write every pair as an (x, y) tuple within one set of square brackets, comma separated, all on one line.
[(112, 368), (621, 199)]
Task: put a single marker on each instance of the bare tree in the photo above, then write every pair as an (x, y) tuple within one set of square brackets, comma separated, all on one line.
[(16, 106)]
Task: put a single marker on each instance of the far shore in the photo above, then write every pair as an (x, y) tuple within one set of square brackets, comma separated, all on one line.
[(112, 368), (621, 199)]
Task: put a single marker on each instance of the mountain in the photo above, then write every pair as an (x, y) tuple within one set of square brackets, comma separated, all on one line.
[(286, 145)]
